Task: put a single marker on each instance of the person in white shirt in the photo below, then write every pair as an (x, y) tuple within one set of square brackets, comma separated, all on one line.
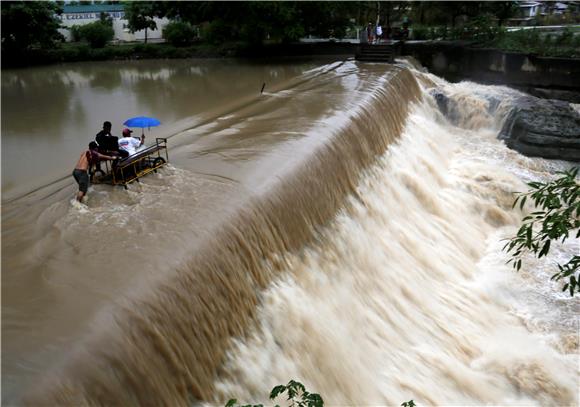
[(130, 144)]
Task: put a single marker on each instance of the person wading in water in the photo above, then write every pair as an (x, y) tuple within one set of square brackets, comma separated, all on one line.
[(81, 172)]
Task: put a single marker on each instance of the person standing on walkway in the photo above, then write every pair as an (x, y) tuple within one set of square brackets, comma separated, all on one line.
[(81, 172), (370, 33), (379, 32)]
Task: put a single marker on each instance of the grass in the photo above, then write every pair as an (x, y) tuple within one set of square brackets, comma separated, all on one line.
[(564, 44), (74, 52)]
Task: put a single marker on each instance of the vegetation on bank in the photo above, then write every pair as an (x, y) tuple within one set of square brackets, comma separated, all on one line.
[(484, 31), (531, 41), (76, 52), (557, 216), (564, 44), (297, 397), (207, 28)]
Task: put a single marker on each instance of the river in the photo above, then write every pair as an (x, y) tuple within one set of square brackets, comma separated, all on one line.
[(335, 229)]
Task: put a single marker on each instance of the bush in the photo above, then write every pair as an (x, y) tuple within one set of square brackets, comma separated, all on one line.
[(179, 33), (75, 33), (97, 34), (216, 32), (419, 32), (532, 41), (297, 395), (146, 49), (481, 28), (439, 33)]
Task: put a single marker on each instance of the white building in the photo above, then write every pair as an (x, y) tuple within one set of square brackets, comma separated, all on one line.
[(560, 8), (85, 14), (529, 9)]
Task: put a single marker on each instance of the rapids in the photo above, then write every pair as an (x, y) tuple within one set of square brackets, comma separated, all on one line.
[(337, 230)]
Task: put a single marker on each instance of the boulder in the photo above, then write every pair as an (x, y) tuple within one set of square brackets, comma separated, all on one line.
[(543, 128), (441, 99)]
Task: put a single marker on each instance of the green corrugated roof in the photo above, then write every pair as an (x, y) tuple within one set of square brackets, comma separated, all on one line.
[(93, 8)]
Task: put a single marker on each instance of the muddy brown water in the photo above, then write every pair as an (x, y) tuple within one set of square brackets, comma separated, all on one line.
[(336, 223)]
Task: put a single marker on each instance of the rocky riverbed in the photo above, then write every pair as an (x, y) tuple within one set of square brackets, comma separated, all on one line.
[(535, 127)]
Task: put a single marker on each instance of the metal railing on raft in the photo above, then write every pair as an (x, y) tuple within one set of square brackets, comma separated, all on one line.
[(140, 164)]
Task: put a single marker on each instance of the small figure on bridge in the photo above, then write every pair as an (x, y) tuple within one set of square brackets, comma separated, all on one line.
[(379, 32), (370, 33)]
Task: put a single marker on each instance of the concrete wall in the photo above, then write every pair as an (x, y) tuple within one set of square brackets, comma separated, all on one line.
[(456, 61)]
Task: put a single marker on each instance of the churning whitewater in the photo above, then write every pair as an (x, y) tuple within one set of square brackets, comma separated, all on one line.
[(361, 256), (406, 294)]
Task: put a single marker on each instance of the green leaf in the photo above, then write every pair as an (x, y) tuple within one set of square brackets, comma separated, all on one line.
[(231, 403), (314, 400), (276, 391), (529, 236), (545, 249)]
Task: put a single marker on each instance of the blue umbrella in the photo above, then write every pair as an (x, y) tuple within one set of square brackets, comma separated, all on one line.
[(142, 122)]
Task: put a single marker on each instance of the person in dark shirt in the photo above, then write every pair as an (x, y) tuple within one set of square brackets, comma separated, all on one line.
[(108, 144), (106, 141)]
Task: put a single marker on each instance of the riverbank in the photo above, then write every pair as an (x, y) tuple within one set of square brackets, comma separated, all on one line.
[(82, 52), (544, 77)]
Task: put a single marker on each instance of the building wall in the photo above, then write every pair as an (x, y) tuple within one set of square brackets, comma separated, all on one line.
[(119, 26)]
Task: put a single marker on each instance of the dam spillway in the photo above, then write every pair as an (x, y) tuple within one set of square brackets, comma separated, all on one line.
[(337, 230)]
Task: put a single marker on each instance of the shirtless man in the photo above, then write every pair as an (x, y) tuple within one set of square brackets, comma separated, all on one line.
[(81, 171)]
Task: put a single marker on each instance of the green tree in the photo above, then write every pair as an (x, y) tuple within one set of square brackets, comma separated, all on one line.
[(558, 215), (502, 10), (75, 33), (178, 33), (140, 14), (106, 19), (428, 13), (255, 21), (320, 18), (447, 13), (96, 34), (29, 24), (275, 20)]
